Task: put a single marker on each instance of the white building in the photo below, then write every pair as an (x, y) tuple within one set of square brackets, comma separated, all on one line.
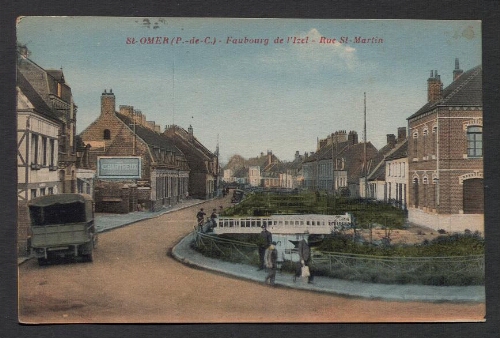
[(37, 138), (254, 176), (396, 176)]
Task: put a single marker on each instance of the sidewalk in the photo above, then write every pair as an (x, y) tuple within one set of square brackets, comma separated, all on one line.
[(106, 222), (421, 293)]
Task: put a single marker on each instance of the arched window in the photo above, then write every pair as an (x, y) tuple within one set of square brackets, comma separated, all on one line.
[(415, 144), (425, 133), (415, 192), (107, 134), (474, 141)]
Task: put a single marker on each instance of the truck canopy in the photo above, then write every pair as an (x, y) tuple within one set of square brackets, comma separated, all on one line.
[(60, 209)]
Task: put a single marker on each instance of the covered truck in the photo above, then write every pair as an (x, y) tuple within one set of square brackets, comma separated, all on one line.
[(62, 225)]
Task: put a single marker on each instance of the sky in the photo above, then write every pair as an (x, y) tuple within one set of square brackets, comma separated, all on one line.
[(254, 85)]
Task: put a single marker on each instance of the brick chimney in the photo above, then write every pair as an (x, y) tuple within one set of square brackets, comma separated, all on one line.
[(108, 104), (457, 72), (391, 139), (434, 87), (127, 110), (352, 137), (190, 133), (401, 134)]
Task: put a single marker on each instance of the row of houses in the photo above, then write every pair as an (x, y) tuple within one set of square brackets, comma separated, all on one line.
[(433, 168), (173, 163), (124, 161)]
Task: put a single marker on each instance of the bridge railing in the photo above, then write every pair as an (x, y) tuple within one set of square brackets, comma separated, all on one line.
[(284, 224)]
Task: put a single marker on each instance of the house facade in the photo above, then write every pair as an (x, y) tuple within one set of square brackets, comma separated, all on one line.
[(125, 136), (396, 176), (338, 164), (445, 155), (203, 164), (46, 154)]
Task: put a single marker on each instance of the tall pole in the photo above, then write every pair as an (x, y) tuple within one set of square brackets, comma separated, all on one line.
[(366, 168)]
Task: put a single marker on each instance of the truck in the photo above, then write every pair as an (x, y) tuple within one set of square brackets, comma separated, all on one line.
[(62, 225)]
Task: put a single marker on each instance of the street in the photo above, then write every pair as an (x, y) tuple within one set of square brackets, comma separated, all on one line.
[(134, 280)]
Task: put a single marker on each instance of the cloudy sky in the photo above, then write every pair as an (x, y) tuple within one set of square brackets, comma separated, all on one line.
[(245, 83)]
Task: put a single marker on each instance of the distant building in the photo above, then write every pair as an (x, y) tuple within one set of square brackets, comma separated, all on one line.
[(203, 164), (338, 164), (378, 187), (445, 154), (396, 175), (163, 174)]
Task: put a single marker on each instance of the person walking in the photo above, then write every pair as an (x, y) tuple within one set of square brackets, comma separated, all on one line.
[(265, 239), (271, 259), (304, 260), (200, 216), (213, 218)]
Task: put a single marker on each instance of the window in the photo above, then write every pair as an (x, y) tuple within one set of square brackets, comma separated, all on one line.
[(52, 149), (33, 193), (44, 151), (425, 133), (34, 148), (475, 141), (107, 134), (434, 139), (415, 144)]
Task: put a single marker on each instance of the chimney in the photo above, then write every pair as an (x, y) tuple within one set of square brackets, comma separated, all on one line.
[(190, 132), (269, 157), (352, 137), (297, 155), (108, 102), (457, 72), (127, 111), (391, 139), (401, 134), (434, 87)]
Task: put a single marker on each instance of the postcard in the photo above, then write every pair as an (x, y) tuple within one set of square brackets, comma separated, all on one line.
[(217, 170)]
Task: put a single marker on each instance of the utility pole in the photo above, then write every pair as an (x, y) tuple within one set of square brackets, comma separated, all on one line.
[(365, 164)]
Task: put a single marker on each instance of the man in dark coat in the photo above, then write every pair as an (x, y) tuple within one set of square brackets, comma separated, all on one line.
[(265, 239), (304, 258)]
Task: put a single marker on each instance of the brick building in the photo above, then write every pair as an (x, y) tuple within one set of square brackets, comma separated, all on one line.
[(445, 154), (203, 164), (164, 173)]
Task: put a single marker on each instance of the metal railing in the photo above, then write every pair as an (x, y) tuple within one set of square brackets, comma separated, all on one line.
[(455, 270), (284, 224)]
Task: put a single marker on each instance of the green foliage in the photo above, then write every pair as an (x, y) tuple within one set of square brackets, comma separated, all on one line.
[(442, 246), (365, 212)]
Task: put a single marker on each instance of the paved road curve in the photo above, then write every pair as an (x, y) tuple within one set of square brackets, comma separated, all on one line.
[(133, 280)]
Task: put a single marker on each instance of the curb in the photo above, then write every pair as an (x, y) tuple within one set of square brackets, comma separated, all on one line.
[(183, 253)]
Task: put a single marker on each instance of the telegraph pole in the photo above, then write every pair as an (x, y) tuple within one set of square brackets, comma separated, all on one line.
[(365, 164)]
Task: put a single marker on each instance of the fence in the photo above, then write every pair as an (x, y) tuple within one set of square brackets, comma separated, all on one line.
[(458, 270)]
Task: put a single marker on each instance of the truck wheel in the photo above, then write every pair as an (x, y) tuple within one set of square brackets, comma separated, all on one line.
[(42, 261), (88, 257)]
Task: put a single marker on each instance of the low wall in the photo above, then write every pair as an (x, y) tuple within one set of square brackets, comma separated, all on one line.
[(450, 223)]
